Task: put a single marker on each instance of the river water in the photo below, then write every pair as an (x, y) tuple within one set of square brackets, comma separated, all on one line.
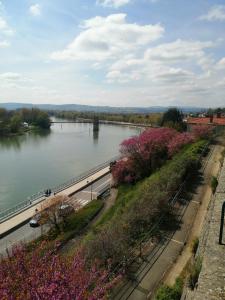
[(37, 161)]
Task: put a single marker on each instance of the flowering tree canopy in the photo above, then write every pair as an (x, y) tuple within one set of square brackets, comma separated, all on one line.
[(149, 150), (178, 141), (45, 275), (202, 131)]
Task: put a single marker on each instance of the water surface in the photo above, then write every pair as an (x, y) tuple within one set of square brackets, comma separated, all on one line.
[(37, 161)]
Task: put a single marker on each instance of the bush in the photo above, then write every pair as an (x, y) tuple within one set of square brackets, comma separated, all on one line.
[(214, 183), (195, 244), (194, 273), (166, 292)]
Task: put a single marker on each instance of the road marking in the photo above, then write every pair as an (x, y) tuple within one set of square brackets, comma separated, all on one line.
[(175, 241), (142, 290), (197, 202), (82, 201), (89, 192)]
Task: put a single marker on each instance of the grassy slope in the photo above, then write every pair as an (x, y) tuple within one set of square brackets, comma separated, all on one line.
[(128, 194)]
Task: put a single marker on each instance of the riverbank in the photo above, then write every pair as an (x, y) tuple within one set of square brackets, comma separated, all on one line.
[(26, 130)]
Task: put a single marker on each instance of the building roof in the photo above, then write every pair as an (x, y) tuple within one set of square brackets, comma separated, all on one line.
[(206, 121)]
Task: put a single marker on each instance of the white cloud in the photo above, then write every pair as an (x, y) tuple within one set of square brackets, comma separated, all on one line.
[(178, 51), (166, 62), (112, 3), (4, 27), (106, 38), (35, 10), (10, 76), (4, 44), (221, 64), (216, 13)]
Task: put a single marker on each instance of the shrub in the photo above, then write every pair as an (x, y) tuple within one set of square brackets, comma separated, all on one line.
[(195, 244), (214, 183), (166, 292), (194, 273)]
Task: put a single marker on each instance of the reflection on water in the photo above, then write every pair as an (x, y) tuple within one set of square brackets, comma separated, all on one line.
[(11, 142), (41, 160), (96, 133), (15, 142)]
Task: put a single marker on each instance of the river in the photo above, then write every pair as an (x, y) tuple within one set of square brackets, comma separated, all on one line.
[(37, 161)]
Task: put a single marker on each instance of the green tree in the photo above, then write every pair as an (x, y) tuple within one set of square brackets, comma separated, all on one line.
[(173, 118), (15, 123), (42, 120)]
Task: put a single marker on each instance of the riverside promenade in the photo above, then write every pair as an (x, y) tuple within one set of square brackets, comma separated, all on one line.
[(21, 217)]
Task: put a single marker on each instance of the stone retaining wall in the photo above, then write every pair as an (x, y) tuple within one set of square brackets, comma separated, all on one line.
[(211, 283)]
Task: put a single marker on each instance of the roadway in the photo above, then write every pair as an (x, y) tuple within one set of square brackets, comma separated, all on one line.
[(25, 233)]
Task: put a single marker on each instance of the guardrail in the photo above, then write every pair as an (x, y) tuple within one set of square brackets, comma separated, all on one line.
[(40, 195)]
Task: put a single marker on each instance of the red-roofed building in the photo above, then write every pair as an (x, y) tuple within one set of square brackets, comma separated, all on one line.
[(217, 122)]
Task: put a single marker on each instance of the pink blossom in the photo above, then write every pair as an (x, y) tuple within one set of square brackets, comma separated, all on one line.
[(43, 274), (178, 141), (202, 131)]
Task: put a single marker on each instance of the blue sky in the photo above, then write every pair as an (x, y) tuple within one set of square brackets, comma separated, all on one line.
[(113, 52)]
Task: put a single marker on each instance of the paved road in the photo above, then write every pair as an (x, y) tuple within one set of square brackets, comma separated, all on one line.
[(26, 233)]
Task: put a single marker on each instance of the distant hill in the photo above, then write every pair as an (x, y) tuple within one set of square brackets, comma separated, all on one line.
[(100, 109)]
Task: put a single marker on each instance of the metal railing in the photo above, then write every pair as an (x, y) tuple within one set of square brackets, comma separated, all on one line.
[(38, 197)]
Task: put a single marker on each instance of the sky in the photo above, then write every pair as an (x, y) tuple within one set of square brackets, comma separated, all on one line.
[(113, 52)]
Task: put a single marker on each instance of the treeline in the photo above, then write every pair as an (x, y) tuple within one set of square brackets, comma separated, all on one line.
[(15, 122), (216, 111), (151, 119)]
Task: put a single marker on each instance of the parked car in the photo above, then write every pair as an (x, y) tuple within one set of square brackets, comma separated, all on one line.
[(35, 221), (65, 209)]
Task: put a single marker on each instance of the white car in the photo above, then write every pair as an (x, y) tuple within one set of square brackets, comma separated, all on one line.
[(65, 209), (34, 222)]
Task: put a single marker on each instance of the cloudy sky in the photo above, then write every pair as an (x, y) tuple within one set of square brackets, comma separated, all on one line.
[(113, 52)]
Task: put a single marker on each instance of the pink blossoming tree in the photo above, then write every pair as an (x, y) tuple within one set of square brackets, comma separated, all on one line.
[(46, 275), (147, 152), (202, 131)]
